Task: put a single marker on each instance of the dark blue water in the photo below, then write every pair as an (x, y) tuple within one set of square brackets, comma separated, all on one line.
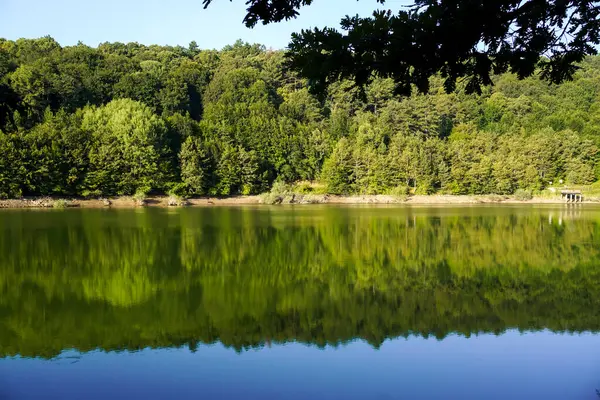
[(513, 365)]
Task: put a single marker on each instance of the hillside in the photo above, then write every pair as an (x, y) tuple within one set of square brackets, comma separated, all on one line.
[(125, 118)]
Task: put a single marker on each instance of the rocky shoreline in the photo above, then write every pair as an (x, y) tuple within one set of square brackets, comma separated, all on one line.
[(166, 201)]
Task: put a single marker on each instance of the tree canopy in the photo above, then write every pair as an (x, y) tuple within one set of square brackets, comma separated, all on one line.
[(123, 118), (466, 40)]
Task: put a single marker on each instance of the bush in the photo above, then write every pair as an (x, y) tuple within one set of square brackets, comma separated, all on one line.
[(281, 188), (60, 203), (400, 192), (176, 201), (246, 189), (314, 199), (303, 188), (270, 198), (179, 190), (425, 187), (495, 198), (282, 193), (140, 197), (90, 194), (523, 195)]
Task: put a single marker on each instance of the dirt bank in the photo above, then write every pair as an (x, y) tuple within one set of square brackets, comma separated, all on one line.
[(165, 201), (122, 202)]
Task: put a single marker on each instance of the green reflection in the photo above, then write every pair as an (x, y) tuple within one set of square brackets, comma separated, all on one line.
[(126, 279)]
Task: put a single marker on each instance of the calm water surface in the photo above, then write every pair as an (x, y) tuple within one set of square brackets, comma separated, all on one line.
[(307, 302)]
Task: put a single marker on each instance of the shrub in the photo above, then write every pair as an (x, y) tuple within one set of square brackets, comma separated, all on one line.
[(140, 197), (179, 190), (304, 188), (246, 189), (425, 187), (270, 198), (495, 198), (88, 194), (523, 195), (60, 203), (281, 188), (314, 199), (176, 201), (400, 192)]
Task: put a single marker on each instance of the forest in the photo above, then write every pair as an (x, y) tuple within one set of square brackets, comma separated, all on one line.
[(120, 119), (247, 277)]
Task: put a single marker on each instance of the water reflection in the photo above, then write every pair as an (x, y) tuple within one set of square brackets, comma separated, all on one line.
[(248, 277)]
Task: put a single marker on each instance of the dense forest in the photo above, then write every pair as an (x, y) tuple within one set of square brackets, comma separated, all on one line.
[(121, 119), (123, 279)]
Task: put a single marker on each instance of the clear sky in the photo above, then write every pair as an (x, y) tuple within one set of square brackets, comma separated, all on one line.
[(165, 22)]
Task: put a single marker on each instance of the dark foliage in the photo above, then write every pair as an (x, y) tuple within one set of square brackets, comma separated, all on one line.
[(459, 39)]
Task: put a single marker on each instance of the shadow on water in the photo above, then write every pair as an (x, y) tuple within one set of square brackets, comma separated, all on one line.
[(125, 280)]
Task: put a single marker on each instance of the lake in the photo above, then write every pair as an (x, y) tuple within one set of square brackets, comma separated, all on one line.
[(307, 302)]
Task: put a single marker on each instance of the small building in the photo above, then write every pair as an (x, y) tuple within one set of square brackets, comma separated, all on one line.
[(572, 196)]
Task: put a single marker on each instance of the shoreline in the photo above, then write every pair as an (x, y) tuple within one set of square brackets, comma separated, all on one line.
[(166, 201)]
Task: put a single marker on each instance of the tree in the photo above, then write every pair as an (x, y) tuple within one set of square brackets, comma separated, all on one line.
[(235, 121), (195, 166), (143, 86), (337, 169), (12, 171), (456, 38), (55, 155), (32, 84), (183, 89), (128, 151)]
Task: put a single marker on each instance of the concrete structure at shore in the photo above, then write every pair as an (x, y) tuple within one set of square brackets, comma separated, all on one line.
[(572, 196)]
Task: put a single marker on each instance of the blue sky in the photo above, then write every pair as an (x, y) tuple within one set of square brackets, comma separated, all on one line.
[(172, 22)]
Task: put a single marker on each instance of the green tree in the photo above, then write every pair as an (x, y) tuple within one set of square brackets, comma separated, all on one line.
[(337, 169), (12, 170), (128, 149), (56, 155), (195, 166)]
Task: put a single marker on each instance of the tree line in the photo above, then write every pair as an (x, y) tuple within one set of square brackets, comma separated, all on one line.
[(125, 118)]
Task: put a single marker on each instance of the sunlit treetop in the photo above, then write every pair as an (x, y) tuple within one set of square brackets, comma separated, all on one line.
[(462, 40)]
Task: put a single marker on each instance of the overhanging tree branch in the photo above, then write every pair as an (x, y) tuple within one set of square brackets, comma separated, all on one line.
[(455, 38)]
